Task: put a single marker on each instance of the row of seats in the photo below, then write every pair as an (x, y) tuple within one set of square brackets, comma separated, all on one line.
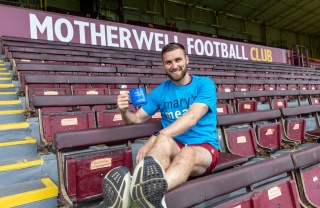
[(27, 44), (147, 62), (50, 84), (24, 69), (282, 191), (250, 101), (263, 133), (59, 48)]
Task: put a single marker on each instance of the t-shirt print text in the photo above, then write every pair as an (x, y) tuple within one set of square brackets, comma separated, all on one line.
[(174, 109)]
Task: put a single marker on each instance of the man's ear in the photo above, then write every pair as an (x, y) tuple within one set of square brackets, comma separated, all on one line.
[(187, 58)]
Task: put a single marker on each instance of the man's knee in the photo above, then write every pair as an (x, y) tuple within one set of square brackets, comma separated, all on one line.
[(187, 153)]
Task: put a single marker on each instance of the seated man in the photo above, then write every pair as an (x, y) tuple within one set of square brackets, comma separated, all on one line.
[(186, 146)]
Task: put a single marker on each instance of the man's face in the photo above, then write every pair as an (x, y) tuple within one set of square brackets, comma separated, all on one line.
[(175, 64)]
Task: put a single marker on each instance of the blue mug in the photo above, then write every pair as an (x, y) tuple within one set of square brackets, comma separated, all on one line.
[(138, 97)]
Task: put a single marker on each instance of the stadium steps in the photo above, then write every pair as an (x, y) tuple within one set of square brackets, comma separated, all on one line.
[(35, 193), (24, 181)]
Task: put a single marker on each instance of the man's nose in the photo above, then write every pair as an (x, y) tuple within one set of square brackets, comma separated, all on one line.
[(174, 64)]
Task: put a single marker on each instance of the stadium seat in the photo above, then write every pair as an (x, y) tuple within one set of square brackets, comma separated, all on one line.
[(51, 122), (308, 174), (81, 173), (224, 103), (294, 123), (240, 137)]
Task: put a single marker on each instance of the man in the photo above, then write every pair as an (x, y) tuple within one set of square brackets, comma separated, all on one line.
[(186, 146)]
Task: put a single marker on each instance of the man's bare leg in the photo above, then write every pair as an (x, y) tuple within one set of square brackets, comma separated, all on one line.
[(164, 168), (179, 164), (149, 185)]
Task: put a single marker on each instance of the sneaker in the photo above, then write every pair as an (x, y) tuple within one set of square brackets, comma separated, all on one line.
[(115, 188), (149, 186)]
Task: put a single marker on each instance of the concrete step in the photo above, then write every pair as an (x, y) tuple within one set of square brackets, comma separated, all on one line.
[(4, 69), (11, 105), (41, 193), (5, 80), (5, 74), (12, 116), (24, 148), (5, 66), (8, 95), (14, 171), (7, 87), (14, 131)]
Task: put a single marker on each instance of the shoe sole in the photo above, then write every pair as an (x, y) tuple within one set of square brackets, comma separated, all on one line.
[(148, 185), (116, 187)]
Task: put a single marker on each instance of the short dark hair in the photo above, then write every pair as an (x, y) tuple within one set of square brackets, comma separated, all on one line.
[(172, 46)]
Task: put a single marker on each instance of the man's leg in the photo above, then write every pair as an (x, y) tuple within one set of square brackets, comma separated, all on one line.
[(167, 166), (177, 163), (149, 185), (190, 161)]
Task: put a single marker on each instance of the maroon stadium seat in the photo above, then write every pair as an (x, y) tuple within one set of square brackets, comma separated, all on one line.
[(308, 174), (242, 140)]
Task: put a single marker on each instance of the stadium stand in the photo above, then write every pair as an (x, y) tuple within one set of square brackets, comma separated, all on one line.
[(268, 124)]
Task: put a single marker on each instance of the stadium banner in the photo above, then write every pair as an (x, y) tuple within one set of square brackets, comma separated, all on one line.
[(34, 24)]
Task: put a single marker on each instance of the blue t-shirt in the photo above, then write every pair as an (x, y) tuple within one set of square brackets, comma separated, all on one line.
[(173, 101)]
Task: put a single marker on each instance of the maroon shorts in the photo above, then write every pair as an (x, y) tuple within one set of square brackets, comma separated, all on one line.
[(213, 151)]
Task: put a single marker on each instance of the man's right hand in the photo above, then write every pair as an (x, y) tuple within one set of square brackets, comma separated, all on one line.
[(123, 101), (145, 148)]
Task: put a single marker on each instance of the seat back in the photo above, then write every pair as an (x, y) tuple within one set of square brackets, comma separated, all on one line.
[(296, 129), (224, 103), (295, 123), (52, 122), (84, 172), (308, 174), (242, 142), (270, 135), (247, 106), (223, 109)]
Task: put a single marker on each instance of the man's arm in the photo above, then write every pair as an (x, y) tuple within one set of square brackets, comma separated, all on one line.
[(187, 120), (128, 117)]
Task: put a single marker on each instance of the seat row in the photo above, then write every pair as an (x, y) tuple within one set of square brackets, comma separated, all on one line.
[(117, 60), (247, 183), (18, 45), (47, 84), (23, 69), (250, 101), (32, 45)]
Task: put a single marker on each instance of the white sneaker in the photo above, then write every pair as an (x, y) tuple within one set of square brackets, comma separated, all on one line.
[(148, 186), (115, 188)]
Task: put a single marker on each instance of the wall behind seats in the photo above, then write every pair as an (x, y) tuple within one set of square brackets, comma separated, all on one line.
[(73, 5)]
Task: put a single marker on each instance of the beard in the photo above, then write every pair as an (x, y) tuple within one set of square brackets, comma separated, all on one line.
[(182, 74)]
